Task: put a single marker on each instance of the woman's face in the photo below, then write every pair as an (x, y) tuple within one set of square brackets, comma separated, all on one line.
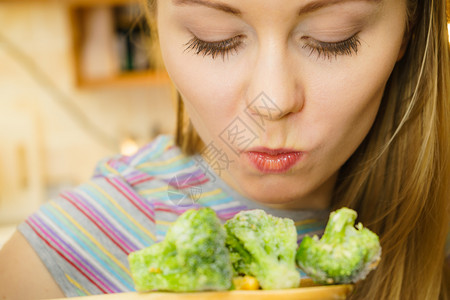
[(304, 77)]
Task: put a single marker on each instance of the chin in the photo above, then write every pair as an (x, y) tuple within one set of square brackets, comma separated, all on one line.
[(275, 196), (280, 194)]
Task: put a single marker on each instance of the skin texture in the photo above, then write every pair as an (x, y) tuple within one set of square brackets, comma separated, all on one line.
[(23, 274), (327, 103)]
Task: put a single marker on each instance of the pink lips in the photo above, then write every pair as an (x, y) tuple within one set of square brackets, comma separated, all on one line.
[(273, 160)]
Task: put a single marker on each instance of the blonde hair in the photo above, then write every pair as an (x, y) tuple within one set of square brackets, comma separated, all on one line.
[(399, 178)]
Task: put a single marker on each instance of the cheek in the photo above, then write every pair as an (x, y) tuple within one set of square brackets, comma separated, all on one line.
[(348, 94), (349, 97), (347, 102), (208, 87)]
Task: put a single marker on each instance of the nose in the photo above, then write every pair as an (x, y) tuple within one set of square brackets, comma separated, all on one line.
[(274, 89)]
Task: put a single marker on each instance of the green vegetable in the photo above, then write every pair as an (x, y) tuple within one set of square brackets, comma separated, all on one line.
[(344, 254), (263, 246), (192, 257)]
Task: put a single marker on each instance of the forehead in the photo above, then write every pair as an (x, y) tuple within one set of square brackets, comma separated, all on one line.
[(231, 6)]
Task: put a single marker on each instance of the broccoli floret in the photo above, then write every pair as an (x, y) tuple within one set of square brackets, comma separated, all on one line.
[(192, 257), (263, 246), (344, 254)]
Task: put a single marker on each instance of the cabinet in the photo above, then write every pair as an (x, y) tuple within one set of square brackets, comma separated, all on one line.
[(113, 44), (21, 178)]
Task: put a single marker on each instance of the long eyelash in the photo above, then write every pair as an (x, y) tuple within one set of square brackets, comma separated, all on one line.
[(214, 49), (328, 50)]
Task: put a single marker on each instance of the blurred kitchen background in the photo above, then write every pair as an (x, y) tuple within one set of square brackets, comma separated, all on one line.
[(79, 80)]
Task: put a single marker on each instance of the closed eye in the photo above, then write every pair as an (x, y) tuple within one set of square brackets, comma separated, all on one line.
[(329, 50), (226, 47), (218, 48)]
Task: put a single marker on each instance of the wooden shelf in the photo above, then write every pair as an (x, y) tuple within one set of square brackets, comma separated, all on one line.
[(127, 79), (109, 51), (87, 3)]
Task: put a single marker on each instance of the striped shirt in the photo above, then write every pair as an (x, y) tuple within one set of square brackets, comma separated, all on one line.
[(85, 234)]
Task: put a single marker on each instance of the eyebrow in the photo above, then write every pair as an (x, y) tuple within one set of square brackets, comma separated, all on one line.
[(216, 5), (316, 5), (308, 8)]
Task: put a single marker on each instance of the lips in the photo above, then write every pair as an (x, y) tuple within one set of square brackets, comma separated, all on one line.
[(273, 160)]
